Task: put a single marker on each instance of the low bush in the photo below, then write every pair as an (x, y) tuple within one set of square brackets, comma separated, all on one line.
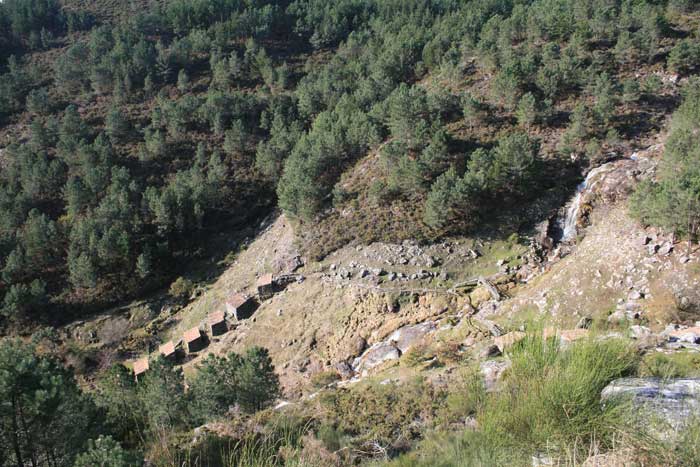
[(416, 355), (676, 365), (181, 288), (464, 399), (552, 396), (388, 415), (324, 378)]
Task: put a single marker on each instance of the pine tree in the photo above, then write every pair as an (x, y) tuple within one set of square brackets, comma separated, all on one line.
[(72, 130), (605, 98), (183, 81), (144, 264), (51, 418), (104, 452), (15, 266), (526, 112), (235, 138), (259, 384), (116, 395), (630, 90), (673, 201), (40, 138), (442, 200), (38, 237), (82, 270), (217, 386), (116, 125), (216, 172), (162, 395), (39, 102), (148, 85), (472, 111)]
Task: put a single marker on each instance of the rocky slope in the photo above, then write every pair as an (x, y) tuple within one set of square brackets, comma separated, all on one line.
[(361, 309)]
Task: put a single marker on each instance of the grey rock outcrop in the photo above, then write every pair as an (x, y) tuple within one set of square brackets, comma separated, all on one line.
[(661, 402), (407, 336), (376, 355)]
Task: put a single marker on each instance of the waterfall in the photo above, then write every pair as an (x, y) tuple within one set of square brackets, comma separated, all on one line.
[(567, 224)]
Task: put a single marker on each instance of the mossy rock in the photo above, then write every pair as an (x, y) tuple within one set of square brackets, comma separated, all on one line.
[(479, 295)]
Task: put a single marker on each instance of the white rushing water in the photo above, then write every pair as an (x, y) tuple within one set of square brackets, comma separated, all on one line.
[(570, 220), (567, 222), (568, 226)]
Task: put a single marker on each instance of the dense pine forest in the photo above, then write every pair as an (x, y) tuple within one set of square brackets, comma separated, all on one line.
[(132, 140), (134, 135)]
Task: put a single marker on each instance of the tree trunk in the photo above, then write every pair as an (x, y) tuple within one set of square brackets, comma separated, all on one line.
[(30, 441), (15, 431)]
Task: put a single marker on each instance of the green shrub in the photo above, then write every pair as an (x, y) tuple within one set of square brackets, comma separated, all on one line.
[(324, 378), (469, 449), (181, 288), (387, 414), (332, 438), (465, 398), (104, 451), (676, 365), (550, 401), (687, 450), (416, 355), (652, 84), (685, 56)]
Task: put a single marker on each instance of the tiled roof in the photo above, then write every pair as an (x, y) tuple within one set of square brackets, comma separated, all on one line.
[(192, 335), (236, 300), (167, 349), (216, 317), (265, 279), (140, 366)]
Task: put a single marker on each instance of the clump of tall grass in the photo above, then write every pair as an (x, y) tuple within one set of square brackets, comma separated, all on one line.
[(277, 443), (551, 396), (549, 402), (468, 449)]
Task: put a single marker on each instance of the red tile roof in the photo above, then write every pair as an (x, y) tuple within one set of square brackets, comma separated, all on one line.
[(140, 366), (167, 349), (216, 317), (265, 279), (236, 300), (192, 335)]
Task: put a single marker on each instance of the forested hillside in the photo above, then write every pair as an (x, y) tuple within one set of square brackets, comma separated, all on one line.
[(130, 141), (138, 138)]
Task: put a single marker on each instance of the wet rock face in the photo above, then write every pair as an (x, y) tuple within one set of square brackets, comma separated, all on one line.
[(395, 345), (376, 355), (672, 402), (604, 184), (407, 336)]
